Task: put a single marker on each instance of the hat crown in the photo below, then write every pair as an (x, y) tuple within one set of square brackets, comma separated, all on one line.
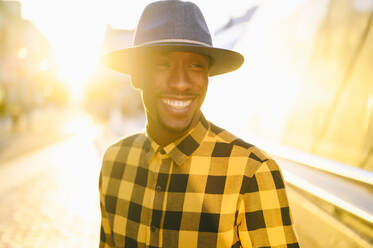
[(172, 21)]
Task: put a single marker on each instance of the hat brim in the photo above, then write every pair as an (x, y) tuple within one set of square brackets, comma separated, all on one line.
[(222, 60)]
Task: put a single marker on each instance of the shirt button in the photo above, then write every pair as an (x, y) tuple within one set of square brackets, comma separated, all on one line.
[(158, 188), (153, 228), (162, 151)]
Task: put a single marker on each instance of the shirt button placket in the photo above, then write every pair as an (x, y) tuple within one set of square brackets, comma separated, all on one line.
[(158, 188), (157, 204)]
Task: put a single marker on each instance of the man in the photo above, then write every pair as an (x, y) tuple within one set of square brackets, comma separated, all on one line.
[(186, 182)]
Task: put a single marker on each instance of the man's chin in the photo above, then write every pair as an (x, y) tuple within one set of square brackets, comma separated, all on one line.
[(177, 128)]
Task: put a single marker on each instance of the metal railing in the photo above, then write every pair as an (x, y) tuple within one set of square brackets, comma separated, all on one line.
[(346, 187)]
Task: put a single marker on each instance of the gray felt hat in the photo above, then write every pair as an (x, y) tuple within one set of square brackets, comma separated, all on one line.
[(173, 25)]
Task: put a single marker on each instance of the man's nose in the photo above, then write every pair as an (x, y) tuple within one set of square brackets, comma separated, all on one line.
[(180, 80)]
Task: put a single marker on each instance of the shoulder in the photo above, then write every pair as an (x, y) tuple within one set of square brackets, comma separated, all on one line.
[(120, 148), (238, 150), (115, 158)]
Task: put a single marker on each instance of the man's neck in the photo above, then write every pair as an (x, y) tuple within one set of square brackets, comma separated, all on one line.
[(164, 136)]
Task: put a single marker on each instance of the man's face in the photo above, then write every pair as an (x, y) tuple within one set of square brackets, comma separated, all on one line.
[(174, 88)]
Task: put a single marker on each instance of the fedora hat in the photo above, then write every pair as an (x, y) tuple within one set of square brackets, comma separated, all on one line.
[(173, 25)]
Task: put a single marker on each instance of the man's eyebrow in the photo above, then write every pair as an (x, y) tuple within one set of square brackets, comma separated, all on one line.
[(159, 54)]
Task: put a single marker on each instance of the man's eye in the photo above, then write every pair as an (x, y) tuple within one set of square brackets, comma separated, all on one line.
[(196, 65)]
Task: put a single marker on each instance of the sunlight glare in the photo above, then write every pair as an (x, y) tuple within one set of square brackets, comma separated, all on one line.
[(22, 53), (262, 92), (82, 125), (75, 33), (44, 65)]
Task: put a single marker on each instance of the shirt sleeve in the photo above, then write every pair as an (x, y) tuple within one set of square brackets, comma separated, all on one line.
[(264, 218), (105, 232)]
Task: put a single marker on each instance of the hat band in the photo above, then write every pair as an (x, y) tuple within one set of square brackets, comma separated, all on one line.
[(173, 40)]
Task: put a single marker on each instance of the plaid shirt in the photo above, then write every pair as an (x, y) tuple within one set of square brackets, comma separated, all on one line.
[(206, 189)]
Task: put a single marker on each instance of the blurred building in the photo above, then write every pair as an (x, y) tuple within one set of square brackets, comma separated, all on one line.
[(27, 70), (109, 94), (333, 110), (307, 78)]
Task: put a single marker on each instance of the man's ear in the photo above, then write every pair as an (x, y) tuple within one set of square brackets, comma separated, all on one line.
[(137, 75), (136, 81)]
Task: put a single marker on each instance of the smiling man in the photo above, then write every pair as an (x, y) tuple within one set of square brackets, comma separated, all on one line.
[(185, 182), (173, 91)]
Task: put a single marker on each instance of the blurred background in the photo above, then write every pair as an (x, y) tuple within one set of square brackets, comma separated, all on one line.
[(304, 95)]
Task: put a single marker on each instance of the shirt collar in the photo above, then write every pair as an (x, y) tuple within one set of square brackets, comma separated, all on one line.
[(182, 148)]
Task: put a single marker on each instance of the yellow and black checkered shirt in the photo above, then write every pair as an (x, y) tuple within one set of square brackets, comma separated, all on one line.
[(206, 189)]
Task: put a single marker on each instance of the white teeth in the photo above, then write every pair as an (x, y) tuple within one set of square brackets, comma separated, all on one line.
[(178, 104)]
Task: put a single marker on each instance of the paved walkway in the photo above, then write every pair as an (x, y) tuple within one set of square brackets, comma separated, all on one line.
[(49, 197), (36, 130)]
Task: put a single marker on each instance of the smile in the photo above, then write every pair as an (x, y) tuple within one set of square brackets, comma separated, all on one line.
[(177, 104)]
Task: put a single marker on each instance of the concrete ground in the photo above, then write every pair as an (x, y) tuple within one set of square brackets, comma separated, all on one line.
[(35, 130), (49, 185)]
